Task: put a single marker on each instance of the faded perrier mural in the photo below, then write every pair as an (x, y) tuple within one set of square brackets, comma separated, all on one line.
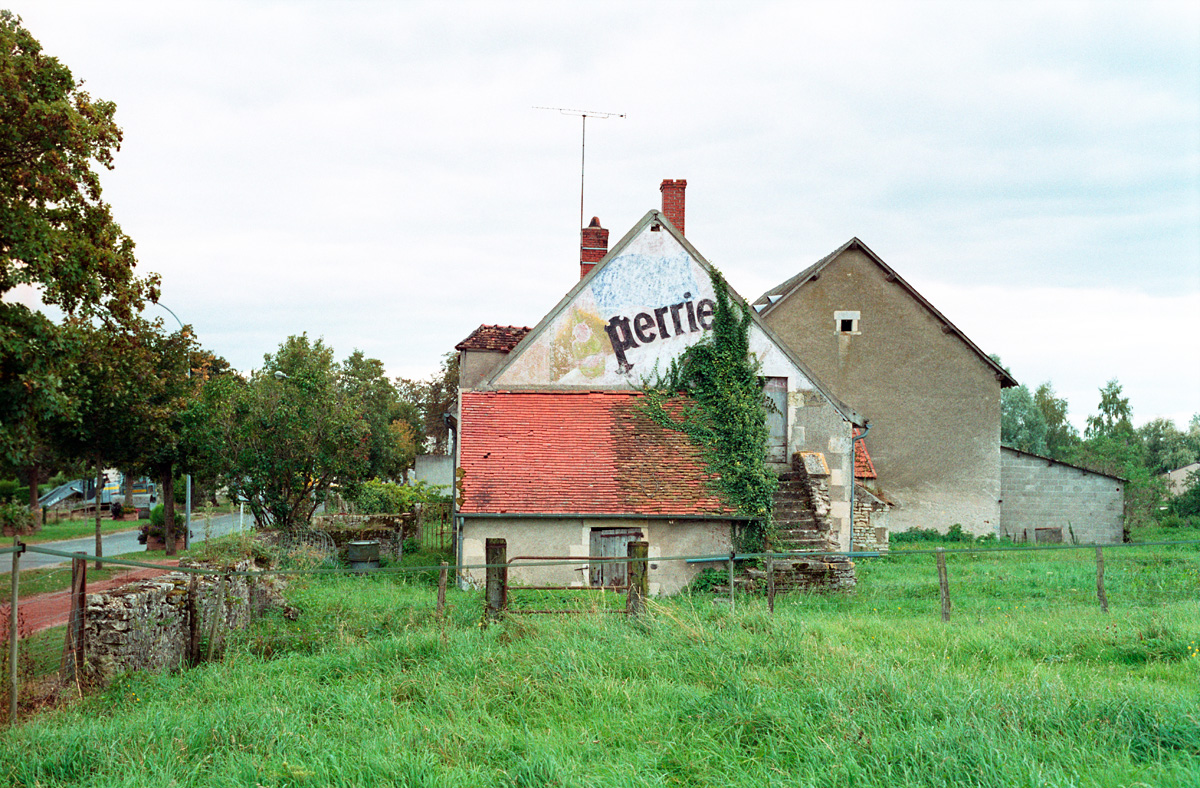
[(644, 306)]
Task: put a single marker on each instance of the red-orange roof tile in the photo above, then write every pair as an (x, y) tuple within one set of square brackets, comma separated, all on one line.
[(501, 338), (572, 452), (863, 467)]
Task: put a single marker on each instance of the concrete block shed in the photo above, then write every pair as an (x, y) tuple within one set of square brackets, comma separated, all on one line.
[(1044, 500)]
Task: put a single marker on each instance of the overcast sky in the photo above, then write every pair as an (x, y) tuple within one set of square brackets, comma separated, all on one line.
[(374, 173)]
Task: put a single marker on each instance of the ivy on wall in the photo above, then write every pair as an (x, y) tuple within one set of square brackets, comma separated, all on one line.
[(716, 399)]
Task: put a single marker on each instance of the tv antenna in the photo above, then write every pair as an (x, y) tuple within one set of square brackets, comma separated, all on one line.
[(585, 114)]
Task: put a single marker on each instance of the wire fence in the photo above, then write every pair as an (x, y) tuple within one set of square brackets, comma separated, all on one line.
[(51, 647)]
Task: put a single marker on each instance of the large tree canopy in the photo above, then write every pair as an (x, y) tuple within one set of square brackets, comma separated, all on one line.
[(56, 233)]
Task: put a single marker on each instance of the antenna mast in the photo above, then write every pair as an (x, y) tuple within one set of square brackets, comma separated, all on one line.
[(585, 114)]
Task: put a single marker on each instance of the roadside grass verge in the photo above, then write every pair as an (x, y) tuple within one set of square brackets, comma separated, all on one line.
[(871, 689), (76, 529)]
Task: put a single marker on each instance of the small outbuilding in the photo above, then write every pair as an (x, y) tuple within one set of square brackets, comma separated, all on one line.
[(1049, 501)]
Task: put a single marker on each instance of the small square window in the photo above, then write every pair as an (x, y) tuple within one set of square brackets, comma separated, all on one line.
[(846, 322)]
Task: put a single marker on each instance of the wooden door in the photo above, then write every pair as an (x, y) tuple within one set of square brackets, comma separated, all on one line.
[(775, 402), (611, 543)]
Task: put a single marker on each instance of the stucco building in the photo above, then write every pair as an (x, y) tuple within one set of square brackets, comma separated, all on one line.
[(930, 395), (553, 451)]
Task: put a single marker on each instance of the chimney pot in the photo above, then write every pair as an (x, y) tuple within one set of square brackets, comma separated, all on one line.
[(672, 202)]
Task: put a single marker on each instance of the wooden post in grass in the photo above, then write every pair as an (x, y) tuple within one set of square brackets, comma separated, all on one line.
[(441, 603), (943, 583), (71, 666), (495, 556), (771, 582), (731, 555), (12, 633), (193, 609), (1100, 579), (639, 586)]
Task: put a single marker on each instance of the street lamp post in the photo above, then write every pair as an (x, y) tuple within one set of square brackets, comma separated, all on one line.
[(187, 517)]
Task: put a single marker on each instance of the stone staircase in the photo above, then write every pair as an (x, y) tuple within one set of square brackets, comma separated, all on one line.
[(801, 522)]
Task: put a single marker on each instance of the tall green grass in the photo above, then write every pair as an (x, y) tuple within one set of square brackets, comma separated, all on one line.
[(1029, 685)]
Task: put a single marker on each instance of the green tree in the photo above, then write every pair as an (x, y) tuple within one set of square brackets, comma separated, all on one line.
[(1062, 439), (1022, 425), (56, 233), (289, 433), (392, 446), (427, 401), (1166, 447), (1111, 446)]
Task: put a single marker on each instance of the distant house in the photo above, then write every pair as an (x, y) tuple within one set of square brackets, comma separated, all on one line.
[(929, 394), (554, 452), (1045, 500), (1178, 479)]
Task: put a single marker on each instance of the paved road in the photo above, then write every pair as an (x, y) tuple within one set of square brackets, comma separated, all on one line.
[(115, 544)]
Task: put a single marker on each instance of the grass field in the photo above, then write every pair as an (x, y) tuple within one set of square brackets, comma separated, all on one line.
[(1029, 685)]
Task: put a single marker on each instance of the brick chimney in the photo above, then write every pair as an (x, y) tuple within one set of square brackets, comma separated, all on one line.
[(672, 202), (593, 245)]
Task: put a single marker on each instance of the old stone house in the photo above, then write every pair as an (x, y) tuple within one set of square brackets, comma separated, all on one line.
[(554, 453), (930, 395)]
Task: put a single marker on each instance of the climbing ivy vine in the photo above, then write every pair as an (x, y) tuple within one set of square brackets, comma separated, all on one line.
[(713, 394)]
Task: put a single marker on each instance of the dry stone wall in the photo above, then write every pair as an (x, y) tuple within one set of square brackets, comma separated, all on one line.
[(170, 621)]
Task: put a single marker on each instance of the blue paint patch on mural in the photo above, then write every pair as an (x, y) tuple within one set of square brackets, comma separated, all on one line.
[(644, 280)]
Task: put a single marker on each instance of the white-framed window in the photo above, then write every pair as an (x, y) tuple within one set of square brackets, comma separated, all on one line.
[(846, 322)]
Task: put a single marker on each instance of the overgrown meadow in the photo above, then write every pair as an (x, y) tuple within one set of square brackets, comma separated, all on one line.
[(1029, 685)]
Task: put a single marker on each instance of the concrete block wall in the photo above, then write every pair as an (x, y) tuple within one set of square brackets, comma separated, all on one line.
[(1040, 493)]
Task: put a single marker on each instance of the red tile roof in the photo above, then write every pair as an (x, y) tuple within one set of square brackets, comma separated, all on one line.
[(568, 452), (863, 467), (501, 338)]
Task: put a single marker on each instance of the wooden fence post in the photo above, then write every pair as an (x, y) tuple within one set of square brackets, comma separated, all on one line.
[(1100, 579), (943, 583), (731, 603), (12, 633), (495, 556), (771, 582), (635, 599), (441, 603), (71, 667), (193, 609)]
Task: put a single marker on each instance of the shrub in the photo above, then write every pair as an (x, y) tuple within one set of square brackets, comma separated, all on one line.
[(15, 519), (117, 510), (377, 497), (954, 533), (158, 516)]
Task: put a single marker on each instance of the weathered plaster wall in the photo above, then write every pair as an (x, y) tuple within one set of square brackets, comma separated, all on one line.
[(1039, 493), (572, 537), (475, 366), (934, 406)]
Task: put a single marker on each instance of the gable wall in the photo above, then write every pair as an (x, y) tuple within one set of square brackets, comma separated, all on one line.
[(933, 405)]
